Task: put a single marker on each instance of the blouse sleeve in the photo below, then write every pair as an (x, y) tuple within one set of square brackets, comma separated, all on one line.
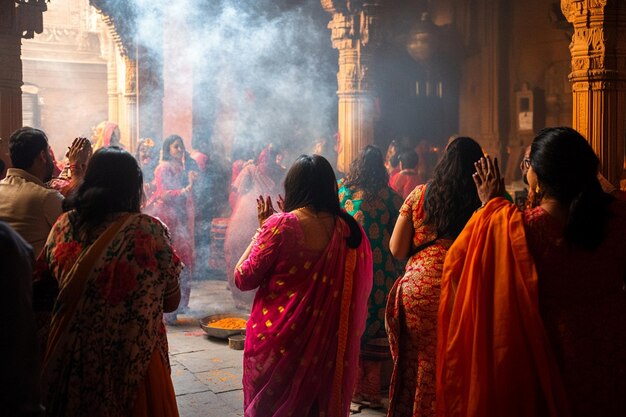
[(413, 208), (413, 203), (153, 241), (263, 256)]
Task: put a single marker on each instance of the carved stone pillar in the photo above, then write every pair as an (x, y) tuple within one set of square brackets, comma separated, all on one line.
[(10, 89), (494, 111), (112, 92), (10, 77), (129, 133), (17, 21), (353, 27), (598, 78)]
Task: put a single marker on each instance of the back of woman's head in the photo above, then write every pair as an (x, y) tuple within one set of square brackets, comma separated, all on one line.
[(311, 182), (368, 172), (451, 196), (113, 183), (567, 167), (167, 143)]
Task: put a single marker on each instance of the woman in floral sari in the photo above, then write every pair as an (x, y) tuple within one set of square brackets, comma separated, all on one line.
[(117, 273), (430, 219), (313, 270), (366, 196)]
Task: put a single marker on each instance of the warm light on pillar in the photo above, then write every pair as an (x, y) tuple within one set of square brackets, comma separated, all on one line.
[(598, 78)]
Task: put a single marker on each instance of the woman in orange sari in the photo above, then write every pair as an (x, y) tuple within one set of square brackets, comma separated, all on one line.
[(312, 266), (117, 273), (430, 219), (533, 306)]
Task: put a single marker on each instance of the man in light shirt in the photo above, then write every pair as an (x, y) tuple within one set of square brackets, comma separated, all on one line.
[(25, 203)]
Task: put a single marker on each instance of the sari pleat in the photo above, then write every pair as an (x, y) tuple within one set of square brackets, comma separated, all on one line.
[(493, 354), (156, 396)]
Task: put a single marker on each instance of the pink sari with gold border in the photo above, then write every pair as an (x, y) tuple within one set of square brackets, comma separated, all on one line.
[(308, 316)]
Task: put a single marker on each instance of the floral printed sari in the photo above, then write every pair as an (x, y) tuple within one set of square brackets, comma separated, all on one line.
[(108, 341)]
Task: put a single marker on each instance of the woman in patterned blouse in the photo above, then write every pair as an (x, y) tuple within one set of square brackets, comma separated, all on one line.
[(431, 218), (117, 273)]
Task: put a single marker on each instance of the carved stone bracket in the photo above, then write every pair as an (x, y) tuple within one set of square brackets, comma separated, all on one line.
[(114, 33)]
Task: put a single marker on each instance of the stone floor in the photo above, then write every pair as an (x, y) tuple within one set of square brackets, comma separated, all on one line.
[(205, 371)]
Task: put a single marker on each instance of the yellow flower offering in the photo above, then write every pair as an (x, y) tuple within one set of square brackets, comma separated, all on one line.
[(230, 323)]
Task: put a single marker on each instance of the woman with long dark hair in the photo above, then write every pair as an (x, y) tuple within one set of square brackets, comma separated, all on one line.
[(365, 194), (117, 273), (533, 302), (312, 266), (172, 203), (431, 218)]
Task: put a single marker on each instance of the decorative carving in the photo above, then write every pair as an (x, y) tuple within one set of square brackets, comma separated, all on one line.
[(342, 32), (131, 76), (113, 33), (598, 50), (59, 35), (354, 34)]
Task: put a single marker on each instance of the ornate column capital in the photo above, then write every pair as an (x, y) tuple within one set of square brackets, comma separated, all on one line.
[(573, 8), (598, 50), (353, 23), (354, 34)]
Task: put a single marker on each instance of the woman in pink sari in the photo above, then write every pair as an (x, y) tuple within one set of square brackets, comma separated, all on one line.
[(262, 178), (312, 266), (171, 202)]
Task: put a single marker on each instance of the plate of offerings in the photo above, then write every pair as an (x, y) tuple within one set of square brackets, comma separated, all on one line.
[(225, 324)]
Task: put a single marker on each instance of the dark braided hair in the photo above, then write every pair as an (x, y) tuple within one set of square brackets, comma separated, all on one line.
[(451, 196)]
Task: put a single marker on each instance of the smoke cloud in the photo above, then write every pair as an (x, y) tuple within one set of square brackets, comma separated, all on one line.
[(261, 73)]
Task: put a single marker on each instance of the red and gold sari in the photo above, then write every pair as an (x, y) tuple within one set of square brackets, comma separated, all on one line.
[(302, 339), (411, 318)]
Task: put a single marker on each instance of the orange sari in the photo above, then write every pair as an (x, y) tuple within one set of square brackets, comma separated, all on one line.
[(493, 355)]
